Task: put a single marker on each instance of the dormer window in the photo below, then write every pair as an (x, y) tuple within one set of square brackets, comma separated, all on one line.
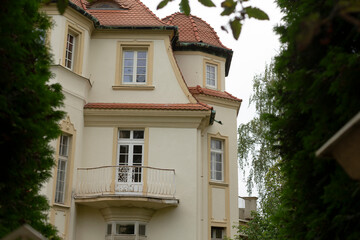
[(104, 5)]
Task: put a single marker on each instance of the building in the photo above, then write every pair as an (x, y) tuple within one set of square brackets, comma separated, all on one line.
[(143, 154)]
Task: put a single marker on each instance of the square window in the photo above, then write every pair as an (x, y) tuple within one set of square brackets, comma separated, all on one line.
[(217, 233), (134, 66)]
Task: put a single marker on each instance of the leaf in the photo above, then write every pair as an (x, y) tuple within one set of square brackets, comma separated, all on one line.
[(162, 4), (184, 7), (236, 28), (61, 5), (256, 13), (207, 3), (229, 7)]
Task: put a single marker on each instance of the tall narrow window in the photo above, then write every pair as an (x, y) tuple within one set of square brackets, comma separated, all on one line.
[(61, 168), (131, 151), (211, 75), (217, 160), (134, 66), (70, 51)]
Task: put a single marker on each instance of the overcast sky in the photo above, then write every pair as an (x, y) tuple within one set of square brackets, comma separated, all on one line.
[(255, 48)]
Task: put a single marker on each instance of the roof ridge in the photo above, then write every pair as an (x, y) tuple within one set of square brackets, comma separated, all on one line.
[(171, 17), (195, 28), (217, 36), (148, 9)]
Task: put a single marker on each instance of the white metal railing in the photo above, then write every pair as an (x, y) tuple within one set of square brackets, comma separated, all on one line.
[(139, 180)]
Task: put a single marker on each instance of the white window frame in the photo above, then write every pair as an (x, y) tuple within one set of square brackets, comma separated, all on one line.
[(131, 142), (135, 66), (208, 77), (69, 61), (135, 236), (213, 162), (62, 165)]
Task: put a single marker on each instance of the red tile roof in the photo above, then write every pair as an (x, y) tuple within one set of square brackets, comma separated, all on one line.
[(131, 13), (150, 106), (193, 29), (214, 93)]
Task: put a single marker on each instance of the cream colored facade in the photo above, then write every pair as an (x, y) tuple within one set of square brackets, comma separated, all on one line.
[(175, 198)]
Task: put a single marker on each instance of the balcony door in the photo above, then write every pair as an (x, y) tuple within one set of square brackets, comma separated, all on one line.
[(129, 174)]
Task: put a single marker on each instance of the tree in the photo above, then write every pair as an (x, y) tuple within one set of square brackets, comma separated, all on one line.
[(316, 93), (256, 151), (28, 116), (254, 145)]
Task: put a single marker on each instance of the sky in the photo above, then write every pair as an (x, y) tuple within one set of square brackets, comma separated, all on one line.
[(255, 48)]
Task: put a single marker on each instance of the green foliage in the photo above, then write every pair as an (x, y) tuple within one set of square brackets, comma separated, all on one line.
[(234, 9), (254, 143), (316, 93), (28, 116), (256, 13)]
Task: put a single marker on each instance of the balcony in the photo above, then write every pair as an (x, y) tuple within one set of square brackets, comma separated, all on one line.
[(126, 186)]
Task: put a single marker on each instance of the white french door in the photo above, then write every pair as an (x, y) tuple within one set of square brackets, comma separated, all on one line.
[(129, 177)]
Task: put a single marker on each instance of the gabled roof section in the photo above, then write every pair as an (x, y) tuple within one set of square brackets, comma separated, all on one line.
[(130, 13), (193, 29), (150, 106), (213, 93)]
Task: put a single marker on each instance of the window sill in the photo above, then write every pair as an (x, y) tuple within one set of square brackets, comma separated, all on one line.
[(221, 184), (59, 205), (133, 87)]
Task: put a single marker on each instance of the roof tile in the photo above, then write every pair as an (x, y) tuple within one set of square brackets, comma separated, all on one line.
[(194, 29), (214, 93), (131, 13)]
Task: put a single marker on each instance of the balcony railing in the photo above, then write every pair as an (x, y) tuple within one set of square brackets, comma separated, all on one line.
[(125, 180)]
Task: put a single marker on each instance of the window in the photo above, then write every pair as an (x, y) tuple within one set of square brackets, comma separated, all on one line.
[(70, 51), (217, 233), (62, 169), (73, 49), (211, 75), (134, 66), (127, 230), (130, 155), (217, 160)]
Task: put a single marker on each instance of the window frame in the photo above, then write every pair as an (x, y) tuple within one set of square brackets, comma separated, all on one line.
[(78, 48), (135, 46), (131, 142), (136, 233), (216, 65), (225, 162), (68, 130), (223, 232), (213, 162), (63, 160)]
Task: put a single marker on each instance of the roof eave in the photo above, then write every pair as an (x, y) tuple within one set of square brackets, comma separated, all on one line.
[(207, 48), (84, 13)]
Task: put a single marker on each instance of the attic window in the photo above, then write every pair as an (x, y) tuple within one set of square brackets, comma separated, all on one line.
[(105, 6)]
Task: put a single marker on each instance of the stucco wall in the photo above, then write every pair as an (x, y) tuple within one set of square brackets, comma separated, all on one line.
[(192, 67)]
